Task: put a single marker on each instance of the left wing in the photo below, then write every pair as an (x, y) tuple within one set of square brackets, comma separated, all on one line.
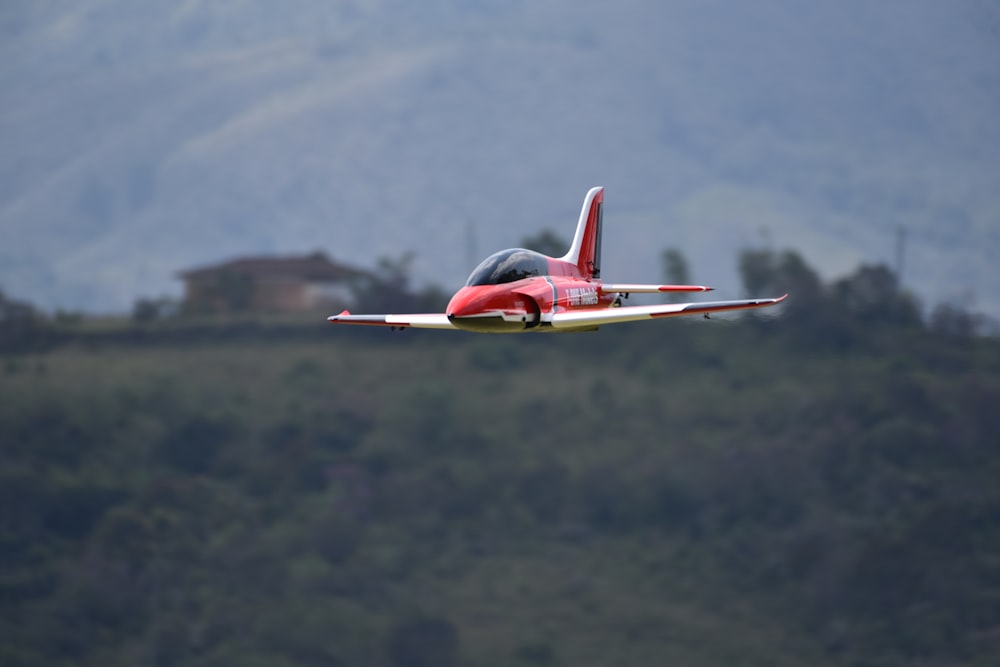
[(590, 318), (419, 321)]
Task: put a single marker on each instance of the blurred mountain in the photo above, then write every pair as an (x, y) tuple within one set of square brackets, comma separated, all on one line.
[(142, 139)]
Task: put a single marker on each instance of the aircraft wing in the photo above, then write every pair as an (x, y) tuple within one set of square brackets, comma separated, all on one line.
[(638, 288), (418, 321), (590, 318)]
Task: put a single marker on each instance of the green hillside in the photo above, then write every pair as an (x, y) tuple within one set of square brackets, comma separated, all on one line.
[(817, 488)]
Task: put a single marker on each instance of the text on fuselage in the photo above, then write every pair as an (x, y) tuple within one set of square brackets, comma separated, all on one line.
[(581, 296)]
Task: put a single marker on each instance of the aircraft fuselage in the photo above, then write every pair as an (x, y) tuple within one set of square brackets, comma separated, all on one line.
[(519, 290), (523, 304)]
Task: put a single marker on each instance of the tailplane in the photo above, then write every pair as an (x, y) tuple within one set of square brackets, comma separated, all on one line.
[(585, 252)]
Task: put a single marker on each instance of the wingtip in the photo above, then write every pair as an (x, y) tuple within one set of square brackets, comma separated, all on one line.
[(334, 318)]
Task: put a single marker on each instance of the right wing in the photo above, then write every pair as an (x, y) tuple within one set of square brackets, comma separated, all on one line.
[(573, 319), (418, 321)]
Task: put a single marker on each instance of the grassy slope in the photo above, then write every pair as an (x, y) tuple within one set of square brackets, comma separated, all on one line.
[(616, 498)]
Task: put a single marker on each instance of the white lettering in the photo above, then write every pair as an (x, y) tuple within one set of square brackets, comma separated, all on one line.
[(582, 296)]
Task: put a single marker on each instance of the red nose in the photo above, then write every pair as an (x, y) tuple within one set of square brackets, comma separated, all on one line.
[(472, 302), (485, 308)]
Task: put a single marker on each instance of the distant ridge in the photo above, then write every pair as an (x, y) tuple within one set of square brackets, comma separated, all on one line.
[(142, 142)]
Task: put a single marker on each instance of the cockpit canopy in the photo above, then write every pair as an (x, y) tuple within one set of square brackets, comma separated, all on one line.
[(507, 266)]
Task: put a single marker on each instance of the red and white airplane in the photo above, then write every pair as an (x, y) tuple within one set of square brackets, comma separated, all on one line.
[(520, 290)]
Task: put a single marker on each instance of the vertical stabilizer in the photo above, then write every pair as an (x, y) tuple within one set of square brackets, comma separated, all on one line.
[(585, 252)]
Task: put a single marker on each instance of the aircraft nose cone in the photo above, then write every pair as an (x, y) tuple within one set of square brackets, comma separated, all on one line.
[(464, 304), (481, 309)]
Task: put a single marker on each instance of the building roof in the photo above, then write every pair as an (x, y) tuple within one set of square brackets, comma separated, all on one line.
[(315, 266)]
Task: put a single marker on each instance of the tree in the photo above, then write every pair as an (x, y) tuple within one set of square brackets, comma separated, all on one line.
[(765, 272), (19, 324), (546, 242), (150, 310), (423, 642), (675, 267), (193, 445), (955, 321), (872, 293), (388, 289)]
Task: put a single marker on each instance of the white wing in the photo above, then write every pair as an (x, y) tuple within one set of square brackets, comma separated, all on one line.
[(590, 318), (418, 321)]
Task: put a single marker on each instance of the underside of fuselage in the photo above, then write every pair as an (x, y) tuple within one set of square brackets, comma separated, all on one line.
[(492, 323), (500, 324)]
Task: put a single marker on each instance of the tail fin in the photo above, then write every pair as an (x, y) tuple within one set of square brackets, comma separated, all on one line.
[(585, 252)]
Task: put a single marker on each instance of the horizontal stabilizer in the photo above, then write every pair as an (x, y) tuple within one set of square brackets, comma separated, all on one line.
[(637, 288)]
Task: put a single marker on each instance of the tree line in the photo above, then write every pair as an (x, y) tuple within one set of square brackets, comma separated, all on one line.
[(816, 487)]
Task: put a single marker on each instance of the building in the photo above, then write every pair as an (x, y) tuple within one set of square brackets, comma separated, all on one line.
[(282, 284)]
